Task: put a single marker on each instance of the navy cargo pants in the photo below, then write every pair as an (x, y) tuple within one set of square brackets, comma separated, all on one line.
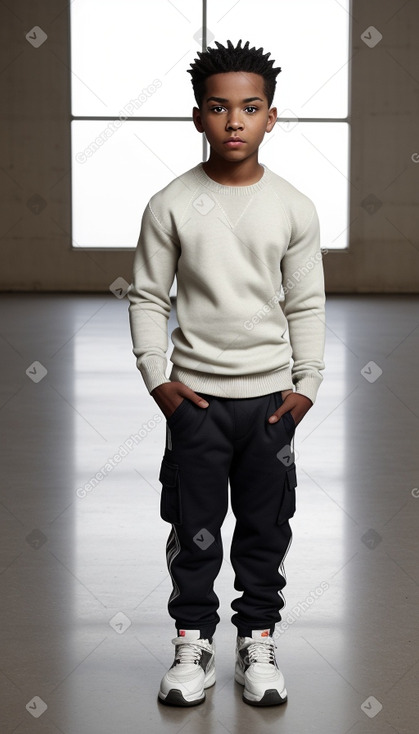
[(230, 441)]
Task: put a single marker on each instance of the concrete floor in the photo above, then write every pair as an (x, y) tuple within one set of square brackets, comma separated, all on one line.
[(85, 636)]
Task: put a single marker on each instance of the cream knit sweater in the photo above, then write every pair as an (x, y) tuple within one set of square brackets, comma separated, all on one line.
[(236, 252)]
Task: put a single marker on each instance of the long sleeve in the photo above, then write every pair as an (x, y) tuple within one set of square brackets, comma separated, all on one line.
[(155, 265), (304, 306)]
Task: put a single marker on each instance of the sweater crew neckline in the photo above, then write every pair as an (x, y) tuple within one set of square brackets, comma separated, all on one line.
[(219, 188)]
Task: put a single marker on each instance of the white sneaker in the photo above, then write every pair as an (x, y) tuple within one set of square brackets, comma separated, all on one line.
[(192, 671), (257, 670)]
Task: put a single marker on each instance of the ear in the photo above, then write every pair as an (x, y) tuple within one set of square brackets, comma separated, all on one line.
[(197, 120), (272, 117)]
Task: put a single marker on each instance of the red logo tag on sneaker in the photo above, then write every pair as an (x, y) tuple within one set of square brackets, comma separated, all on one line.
[(260, 633), (182, 633)]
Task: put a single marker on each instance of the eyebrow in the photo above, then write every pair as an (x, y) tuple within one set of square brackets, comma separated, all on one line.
[(223, 99)]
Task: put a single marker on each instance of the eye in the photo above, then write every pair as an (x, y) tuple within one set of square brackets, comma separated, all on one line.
[(217, 109), (251, 109)]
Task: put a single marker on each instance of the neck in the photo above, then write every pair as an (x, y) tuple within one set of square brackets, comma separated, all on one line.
[(233, 173)]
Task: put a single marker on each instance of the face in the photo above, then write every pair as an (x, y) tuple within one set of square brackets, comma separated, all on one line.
[(234, 106)]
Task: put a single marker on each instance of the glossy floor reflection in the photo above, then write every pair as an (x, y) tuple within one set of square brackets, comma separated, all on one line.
[(85, 636)]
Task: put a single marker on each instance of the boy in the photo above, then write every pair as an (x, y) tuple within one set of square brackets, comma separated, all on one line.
[(233, 232)]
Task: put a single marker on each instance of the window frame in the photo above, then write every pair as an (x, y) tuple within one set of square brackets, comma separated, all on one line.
[(175, 118)]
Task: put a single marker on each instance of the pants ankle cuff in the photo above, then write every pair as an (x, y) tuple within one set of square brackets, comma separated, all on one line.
[(247, 631), (205, 633)]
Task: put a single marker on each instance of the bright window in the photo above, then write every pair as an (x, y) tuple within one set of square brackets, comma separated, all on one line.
[(132, 99)]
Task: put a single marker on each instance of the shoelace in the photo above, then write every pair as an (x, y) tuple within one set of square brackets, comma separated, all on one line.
[(188, 652), (261, 652)]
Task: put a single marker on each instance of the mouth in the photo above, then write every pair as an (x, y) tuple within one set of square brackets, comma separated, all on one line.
[(234, 142)]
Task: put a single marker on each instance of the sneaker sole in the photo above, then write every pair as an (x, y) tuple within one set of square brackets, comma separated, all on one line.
[(271, 697), (175, 696)]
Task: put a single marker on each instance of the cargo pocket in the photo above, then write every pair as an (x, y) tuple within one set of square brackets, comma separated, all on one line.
[(287, 508), (170, 503)]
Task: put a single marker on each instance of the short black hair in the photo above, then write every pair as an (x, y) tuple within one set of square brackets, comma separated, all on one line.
[(227, 58)]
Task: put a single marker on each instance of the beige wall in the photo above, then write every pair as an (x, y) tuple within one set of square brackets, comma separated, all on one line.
[(35, 154)]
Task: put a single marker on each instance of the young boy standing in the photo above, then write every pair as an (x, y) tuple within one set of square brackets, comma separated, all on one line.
[(233, 232)]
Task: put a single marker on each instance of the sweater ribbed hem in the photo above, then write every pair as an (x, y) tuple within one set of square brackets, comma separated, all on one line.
[(240, 386)]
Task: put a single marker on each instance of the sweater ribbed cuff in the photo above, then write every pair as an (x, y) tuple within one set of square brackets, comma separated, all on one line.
[(309, 386), (153, 371)]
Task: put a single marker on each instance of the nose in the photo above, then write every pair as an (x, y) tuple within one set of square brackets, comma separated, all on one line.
[(234, 122)]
